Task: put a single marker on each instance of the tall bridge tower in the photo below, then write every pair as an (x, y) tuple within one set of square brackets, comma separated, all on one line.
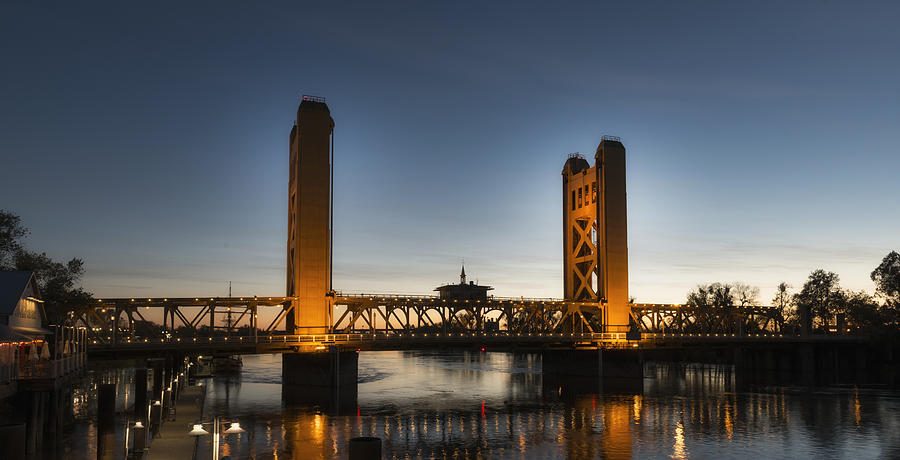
[(595, 232), (309, 218)]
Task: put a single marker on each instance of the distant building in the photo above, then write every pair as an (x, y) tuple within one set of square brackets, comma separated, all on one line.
[(463, 290), (21, 309)]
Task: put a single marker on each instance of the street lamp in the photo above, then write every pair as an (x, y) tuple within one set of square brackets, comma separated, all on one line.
[(198, 430), (233, 428)]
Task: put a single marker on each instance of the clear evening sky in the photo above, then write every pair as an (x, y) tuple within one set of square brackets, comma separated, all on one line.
[(151, 139)]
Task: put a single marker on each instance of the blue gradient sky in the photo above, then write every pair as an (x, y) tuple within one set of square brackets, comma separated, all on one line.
[(151, 139)]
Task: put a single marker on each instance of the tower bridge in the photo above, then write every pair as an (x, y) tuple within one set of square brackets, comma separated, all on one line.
[(595, 311)]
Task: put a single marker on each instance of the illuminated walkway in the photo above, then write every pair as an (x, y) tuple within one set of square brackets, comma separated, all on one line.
[(173, 441)]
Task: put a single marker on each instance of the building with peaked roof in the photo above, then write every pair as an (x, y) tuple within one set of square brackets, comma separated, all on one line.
[(21, 309), (463, 290)]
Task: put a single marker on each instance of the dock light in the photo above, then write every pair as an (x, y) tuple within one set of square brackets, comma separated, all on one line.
[(198, 430), (234, 428), (320, 347), (138, 424)]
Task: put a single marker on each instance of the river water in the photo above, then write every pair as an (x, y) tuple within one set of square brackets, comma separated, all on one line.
[(496, 405), (455, 405)]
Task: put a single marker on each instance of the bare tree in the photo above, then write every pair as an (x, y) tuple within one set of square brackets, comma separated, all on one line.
[(711, 295), (784, 301), (744, 294)]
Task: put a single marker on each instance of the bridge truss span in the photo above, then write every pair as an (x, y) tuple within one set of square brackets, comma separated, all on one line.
[(692, 319), (392, 313), (211, 320)]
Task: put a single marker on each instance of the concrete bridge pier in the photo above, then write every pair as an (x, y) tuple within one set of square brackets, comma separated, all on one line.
[(327, 379), (806, 361), (600, 370), (808, 364), (140, 396), (157, 366), (106, 417)]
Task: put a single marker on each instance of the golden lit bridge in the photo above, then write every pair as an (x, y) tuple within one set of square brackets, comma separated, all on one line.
[(380, 321), (594, 329)]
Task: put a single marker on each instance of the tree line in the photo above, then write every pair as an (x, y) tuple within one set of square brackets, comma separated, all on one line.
[(821, 304)]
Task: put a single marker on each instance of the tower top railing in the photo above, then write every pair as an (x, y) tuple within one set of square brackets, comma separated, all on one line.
[(307, 97), (607, 137), (576, 155)]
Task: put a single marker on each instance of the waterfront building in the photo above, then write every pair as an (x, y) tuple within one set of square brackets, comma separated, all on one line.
[(28, 351), (22, 314), (463, 290)]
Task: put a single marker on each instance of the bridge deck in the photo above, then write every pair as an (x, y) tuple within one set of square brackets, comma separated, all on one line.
[(394, 341)]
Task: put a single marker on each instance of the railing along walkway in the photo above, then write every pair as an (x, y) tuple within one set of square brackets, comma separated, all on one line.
[(399, 338)]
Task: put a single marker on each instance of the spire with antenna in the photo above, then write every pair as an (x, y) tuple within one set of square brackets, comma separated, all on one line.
[(462, 274)]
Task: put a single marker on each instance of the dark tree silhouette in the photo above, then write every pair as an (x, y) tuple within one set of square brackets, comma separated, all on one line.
[(821, 296), (713, 295), (784, 301), (861, 311), (887, 285), (887, 278), (11, 234)]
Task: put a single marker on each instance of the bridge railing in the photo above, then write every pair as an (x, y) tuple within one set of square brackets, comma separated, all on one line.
[(357, 337), (608, 340), (435, 298)]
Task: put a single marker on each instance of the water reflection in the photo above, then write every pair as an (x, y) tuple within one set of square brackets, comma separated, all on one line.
[(498, 405)]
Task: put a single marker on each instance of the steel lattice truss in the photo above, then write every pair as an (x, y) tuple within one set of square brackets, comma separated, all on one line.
[(113, 321), (584, 258), (381, 313), (688, 319)]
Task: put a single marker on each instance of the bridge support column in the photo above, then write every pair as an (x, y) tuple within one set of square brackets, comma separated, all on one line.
[(326, 379), (106, 416), (157, 381), (602, 370), (807, 363), (140, 395)]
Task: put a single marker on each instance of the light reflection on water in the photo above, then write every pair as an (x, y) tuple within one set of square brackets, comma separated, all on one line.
[(497, 405)]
